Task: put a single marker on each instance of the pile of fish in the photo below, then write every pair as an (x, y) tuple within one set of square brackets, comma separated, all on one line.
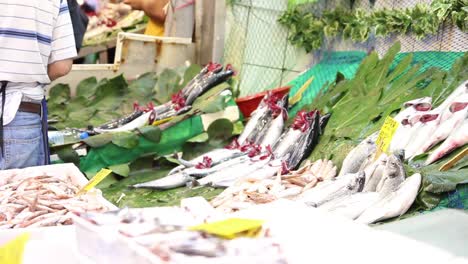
[(263, 148), (41, 201), (210, 76), (251, 190), (423, 128), (165, 233), (368, 188)]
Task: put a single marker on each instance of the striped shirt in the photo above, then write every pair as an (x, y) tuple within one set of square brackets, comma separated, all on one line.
[(33, 34)]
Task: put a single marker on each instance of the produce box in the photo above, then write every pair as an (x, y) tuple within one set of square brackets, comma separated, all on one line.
[(67, 172)]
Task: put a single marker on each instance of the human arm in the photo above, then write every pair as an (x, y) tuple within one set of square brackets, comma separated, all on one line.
[(153, 8), (63, 47), (59, 68)]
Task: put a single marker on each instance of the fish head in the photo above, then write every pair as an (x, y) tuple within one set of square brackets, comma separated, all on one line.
[(357, 183), (420, 104), (394, 166)]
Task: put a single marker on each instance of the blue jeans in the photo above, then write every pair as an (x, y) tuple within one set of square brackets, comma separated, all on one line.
[(23, 141)]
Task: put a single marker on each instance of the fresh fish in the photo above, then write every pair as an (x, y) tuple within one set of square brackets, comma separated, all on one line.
[(228, 176), (135, 123), (458, 138), (358, 155), (374, 173), (345, 185), (429, 123), (393, 175), (306, 145), (121, 121), (287, 142), (169, 182), (216, 156), (193, 171), (460, 90), (460, 112), (324, 121), (420, 104), (395, 203), (274, 131), (251, 125), (207, 84), (353, 205)]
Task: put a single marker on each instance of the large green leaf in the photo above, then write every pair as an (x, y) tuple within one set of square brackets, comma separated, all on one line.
[(167, 85), (152, 133), (120, 169), (220, 129), (87, 87), (99, 140), (125, 139), (59, 93)]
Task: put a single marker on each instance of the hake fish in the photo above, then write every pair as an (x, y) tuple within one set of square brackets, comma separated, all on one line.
[(395, 203), (358, 155)]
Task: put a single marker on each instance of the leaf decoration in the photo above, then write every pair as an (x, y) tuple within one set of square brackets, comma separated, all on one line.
[(152, 133)]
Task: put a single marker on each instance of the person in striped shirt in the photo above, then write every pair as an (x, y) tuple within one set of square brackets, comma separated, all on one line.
[(36, 47)]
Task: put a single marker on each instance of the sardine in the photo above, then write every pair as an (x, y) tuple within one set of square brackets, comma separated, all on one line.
[(169, 182), (345, 185), (358, 155), (395, 203), (458, 138)]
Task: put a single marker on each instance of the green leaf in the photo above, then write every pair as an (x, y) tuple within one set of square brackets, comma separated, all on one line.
[(127, 140), (59, 93), (87, 87), (203, 137), (190, 73), (220, 129), (67, 154), (120, 169), (99, 140), (167, 85), (152, 133)]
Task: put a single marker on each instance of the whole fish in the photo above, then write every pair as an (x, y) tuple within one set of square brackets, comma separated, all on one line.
[(353, 205), (217, 156), (287, 142), (374, 173), (323, 122), (460, 90), (395, 203), (207, 84), (345, 185), (429, 123), (228, 176), (393, 175), (140, 121), (274, 128), (259, 114), (460, 112), (274, 131), (169, 182), (358, 155), (458, 138), (305, 146), (198, 173)]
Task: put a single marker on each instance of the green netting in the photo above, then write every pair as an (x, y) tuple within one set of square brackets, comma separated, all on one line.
[(345, 62), (428, 59)]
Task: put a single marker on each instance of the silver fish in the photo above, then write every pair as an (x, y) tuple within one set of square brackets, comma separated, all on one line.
[(216, 156), (458, 138), (203, 172), (445, 128), (168, 182), (228, 176), (274, 131), (345, 185), (429, 123), (374, 173), (353, 205), (395, 203), (251, 125), (287, 142), (393, 175), (358, 155)]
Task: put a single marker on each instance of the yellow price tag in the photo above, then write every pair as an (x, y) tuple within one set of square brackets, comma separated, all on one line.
[(385, 135), (101, 175), (162, 121), (231, 228), (12, 252)]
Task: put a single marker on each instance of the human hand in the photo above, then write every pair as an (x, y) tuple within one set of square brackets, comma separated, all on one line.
[(135, 4)]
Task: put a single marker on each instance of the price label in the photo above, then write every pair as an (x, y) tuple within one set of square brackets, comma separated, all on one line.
[(101, 175), (231, 228), (12, 252), (385, 135)]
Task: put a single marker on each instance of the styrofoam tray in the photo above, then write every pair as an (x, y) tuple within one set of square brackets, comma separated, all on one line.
[(62, 171)]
